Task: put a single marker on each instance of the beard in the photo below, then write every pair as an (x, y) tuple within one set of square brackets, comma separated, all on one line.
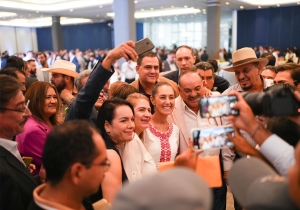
[(32, 71), (62, 85)]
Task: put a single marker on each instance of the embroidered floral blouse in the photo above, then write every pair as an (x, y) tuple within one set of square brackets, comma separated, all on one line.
[(163, 147)]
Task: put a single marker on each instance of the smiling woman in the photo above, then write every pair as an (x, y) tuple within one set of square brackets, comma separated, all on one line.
[(43, 105)]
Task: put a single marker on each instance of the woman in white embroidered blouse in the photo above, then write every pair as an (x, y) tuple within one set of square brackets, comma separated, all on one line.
[(161, 139)]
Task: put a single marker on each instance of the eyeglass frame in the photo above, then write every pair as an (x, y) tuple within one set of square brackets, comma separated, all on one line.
[(18, 110), (106, 165), (285, 82)]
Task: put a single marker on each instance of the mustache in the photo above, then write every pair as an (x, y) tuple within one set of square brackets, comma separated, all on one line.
[(193, 98)]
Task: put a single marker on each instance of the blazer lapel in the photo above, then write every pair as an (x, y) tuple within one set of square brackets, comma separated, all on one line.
[(14, 162)]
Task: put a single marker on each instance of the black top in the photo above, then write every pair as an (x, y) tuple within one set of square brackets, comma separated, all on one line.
[(98, 196)]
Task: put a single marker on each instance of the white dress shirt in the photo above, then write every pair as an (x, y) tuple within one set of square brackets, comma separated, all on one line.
[(12, 147)]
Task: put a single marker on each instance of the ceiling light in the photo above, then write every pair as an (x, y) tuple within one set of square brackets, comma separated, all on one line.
[(50, 7), (172, 6), (100, 6), (185, 6), (151, 8), (37, 12), (161, 7), (227, 3), (7, 14), (135, 2), (241, 7), (142, 9), (259, 7), (71, 10), (268, 3), (159, 13), (278, 5)]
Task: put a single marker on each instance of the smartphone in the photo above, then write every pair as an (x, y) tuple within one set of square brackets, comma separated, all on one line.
[(143, 45), (218, 106), (27, 160), (212, 138)]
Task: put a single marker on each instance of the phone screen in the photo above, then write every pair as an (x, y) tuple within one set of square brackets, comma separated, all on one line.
[(211, 138), (217, 106)]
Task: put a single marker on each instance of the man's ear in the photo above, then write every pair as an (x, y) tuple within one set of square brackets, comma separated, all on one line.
[(76, 173), (137, 69), (194, 57)]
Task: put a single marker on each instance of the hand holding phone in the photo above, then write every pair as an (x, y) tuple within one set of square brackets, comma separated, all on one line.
[(27, 160), (143, 45), (212, 138), (218, 106)]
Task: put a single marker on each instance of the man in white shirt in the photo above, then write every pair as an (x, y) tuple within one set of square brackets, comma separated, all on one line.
[(128, 70), (186, 116), (275, 54), (16, 183)]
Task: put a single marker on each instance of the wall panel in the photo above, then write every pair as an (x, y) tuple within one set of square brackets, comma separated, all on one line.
[(8, 40)]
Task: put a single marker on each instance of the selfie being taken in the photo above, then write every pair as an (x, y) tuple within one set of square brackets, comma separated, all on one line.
[(135, 104)]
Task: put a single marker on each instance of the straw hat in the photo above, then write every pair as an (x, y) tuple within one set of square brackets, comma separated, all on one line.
[(243, 56), (63, 67)]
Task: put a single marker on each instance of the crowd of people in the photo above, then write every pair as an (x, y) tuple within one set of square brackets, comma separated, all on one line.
[(98, 144)]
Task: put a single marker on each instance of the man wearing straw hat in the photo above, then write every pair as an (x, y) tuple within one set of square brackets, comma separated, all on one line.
[(63, 76), (247, 69)]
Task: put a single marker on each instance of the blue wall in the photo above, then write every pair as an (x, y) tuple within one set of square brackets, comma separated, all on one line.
[(87, 36), (277, 27)]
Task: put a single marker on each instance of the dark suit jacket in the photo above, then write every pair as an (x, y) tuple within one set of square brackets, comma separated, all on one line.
[(83, 105), (16, 183), (29, 81), (221, 83), (75, 61), (173, 76), (167, 66)]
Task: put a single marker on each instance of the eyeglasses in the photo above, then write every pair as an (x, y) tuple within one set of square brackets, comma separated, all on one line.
[(105, 165), (18, 110)]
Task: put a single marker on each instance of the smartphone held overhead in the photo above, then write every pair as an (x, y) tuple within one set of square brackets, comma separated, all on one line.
[(144, 45), (218, 106), (212, 138)]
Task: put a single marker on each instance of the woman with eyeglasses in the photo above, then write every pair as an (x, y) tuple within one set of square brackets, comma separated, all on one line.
[(43, 105), (116, 124)]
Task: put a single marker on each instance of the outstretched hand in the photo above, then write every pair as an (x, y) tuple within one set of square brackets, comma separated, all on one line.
[(125, 50), (188, 158)]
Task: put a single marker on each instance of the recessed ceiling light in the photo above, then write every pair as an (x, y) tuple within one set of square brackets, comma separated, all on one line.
[(71, 10), (227, 3), (135, 2), (151, 8), (100, 6), (241, 7), (278, 5), (259, 7), (185, 6), (142, 9)]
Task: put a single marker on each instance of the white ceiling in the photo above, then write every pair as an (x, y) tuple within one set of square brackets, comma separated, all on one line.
[(96, 10)]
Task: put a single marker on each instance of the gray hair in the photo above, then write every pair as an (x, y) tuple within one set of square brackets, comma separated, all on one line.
[(80, 76)]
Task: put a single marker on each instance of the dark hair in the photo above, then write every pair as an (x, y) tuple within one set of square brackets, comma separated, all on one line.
[(185, 73), (44, 54), (123, 91), (9, 88), (15, 61), (107, 113), (147, 54), (271, 58), (294, 70), (67, 144), (113, 87), (205, 66), (159, 84), (36, 93), (172, 52), (12, 71), (285, 128), (271, 68), (214, 64), (196, 54)]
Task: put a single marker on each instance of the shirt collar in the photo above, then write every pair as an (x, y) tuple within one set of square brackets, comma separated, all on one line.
[(9, 145), (266, 83)]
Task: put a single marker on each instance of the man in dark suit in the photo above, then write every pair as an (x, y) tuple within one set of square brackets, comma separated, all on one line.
[(170, 63), (185, 61), (74, 60), (16, 183)]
